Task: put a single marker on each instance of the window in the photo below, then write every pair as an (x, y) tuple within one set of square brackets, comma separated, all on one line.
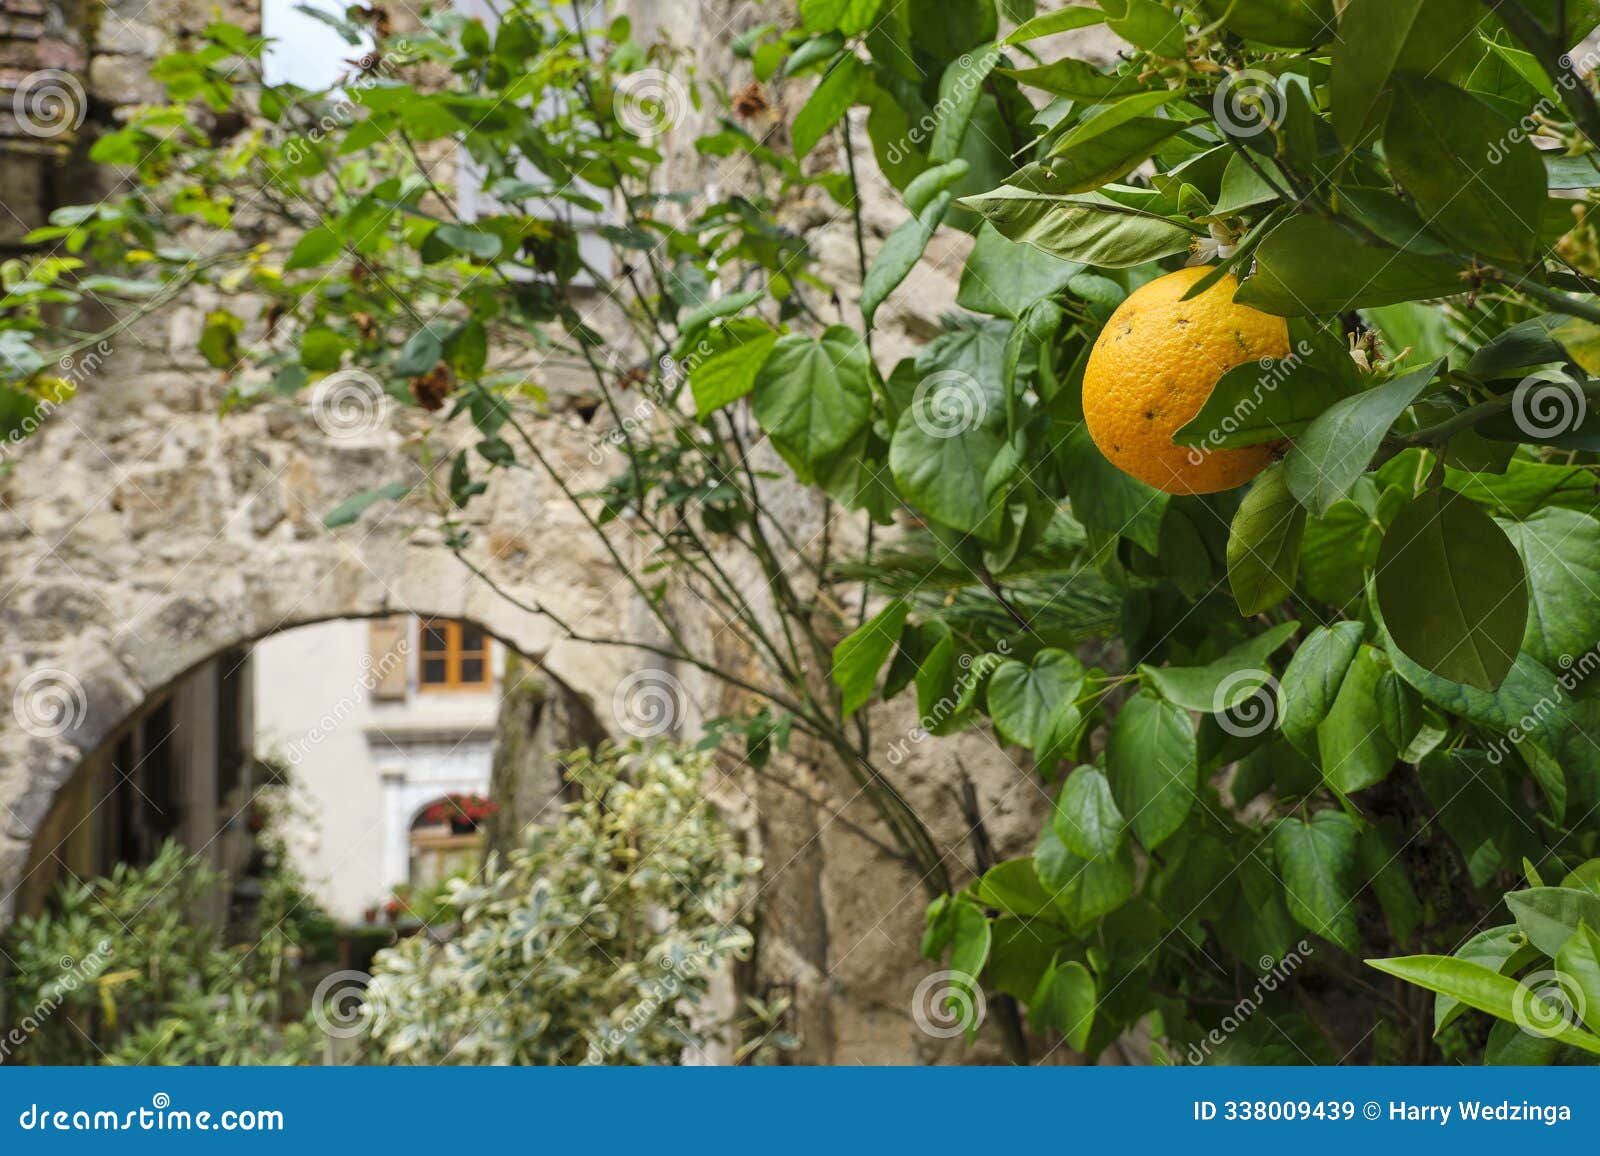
[(455, 656), (307, 52)]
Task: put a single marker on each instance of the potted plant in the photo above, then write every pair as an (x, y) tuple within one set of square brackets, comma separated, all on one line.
[(463, 812)]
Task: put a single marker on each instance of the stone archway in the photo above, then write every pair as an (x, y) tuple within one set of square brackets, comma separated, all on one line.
[(138, 546)]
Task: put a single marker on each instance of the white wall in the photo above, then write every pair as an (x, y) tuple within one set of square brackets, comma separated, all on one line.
[(362, 768)]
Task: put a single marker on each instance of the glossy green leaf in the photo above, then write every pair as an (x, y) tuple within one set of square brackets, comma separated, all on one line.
[(1264, 543), (1478, 987), (861, 654), (1152, 764), (1024, 698), (812, 394), (1452, 590), (1472, 177), (1337, 448), (1089, 228), (1294, 278), (1317, 860), (1086, 817), (1311, 682)]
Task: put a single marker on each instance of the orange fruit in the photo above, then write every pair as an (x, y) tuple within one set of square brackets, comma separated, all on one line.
[(1154, 365)]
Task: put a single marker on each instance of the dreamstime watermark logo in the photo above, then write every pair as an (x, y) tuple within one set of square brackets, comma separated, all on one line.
[(633, 422), (1245, 703), (663, 991), (1274, 973), (1574, 671), (649, 703), (651, 102), (1548, 404), (349, 403), (48, 703), (1547, 1003), (948, 1003), (968, 79), (49, 103), (1248, 103), (371, 70), (1274, 372), (347, 1004), (74, 974), (948, 404), (374, 672), (970, 671)]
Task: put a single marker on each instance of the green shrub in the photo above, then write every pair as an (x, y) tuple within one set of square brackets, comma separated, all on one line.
[(591, 944)]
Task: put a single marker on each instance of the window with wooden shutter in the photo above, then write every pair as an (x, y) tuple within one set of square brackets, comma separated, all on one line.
[(451, 656), (387, 647)]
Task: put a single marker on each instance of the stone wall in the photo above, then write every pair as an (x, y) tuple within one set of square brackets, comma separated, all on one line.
[(141, 533)]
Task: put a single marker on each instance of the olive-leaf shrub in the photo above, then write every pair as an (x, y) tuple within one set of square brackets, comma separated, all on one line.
[(117, 970), (1347, 701), (593, 942)]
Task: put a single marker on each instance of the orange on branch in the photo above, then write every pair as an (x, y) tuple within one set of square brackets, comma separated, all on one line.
[(1154, 365)]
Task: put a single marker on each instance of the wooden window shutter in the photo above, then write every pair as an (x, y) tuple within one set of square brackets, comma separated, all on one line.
[(389, 649)]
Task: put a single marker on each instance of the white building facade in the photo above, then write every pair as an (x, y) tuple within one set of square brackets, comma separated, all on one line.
[(374, 721)]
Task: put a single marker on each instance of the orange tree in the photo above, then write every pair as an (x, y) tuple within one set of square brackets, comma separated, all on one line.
[(1347, 705)]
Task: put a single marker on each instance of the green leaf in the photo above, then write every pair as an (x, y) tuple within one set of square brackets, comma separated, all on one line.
[(1560, 551), (1338, 447), (1106, 499), (1065, 1000), (1013, 886), (1088, 228), (1077, 80), (352, 508), (315, 247), (1004, 278), (1281, 23), (1497, 948), (1107, 148), (1153, 766), (900, 252), (321, 348), (847, 16), (1264, 543), (1024, 699), (1579, 960), (969, 948), (219, 339), (1378, 38), (1352, 746), (473, 242), (1086, 817), (1062, 20), (725, 377), (1085, 889), (1451, 590), (1269, 400), (1478, 987), (827, 104), (1294, 277), (1550, 916), (1475, 179), (1229, 682), (1317, 862), (1311, 682), (960, 88), (860, 654), (814, 395)]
